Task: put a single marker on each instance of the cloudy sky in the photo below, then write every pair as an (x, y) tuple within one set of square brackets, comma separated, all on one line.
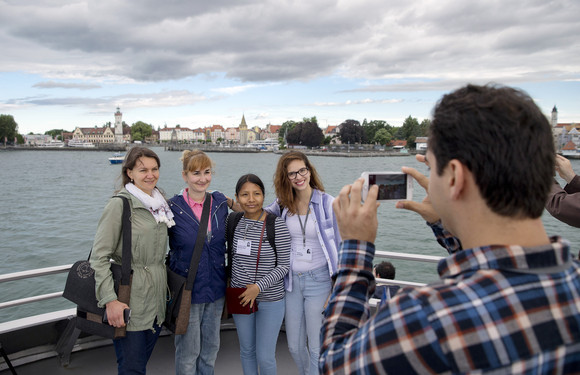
[(196, 63)]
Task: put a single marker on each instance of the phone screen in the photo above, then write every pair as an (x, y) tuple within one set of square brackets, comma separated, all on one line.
[(391, 186)]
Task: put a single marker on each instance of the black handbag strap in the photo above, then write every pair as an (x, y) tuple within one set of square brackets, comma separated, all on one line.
[(198, 248), (126, 229), (126, 232)]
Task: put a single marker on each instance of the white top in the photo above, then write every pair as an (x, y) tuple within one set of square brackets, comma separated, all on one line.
[(309, 256)]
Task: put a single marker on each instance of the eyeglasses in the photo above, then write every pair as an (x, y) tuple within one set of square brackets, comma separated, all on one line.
[(301, 172)]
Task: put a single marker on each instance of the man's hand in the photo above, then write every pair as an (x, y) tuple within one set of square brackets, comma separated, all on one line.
[(564, 168), (356, 221), (424, 208)]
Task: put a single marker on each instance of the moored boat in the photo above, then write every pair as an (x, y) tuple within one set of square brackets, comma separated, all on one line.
[(78, 143), (117, 158)]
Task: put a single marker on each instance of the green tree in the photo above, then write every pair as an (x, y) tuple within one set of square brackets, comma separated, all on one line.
[(382, 137), (351, 132), (306, 133), (410, 128), (424, 127), (55, 133), (286, 128), (371, 128), (140, 131), (8, 128)]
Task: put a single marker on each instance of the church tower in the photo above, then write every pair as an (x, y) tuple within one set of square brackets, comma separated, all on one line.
[(118, 126), (557, 134), (554, 121), (243, 132)]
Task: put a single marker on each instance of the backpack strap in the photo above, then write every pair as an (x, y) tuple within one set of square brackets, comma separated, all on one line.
[(271, 233), (232, 222)]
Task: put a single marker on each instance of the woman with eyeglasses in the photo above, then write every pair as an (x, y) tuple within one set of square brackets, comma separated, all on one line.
[(307, 211), (196, 350)]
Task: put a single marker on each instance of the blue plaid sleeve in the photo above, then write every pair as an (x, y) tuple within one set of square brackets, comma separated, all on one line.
[(354, 342), (444, 238)]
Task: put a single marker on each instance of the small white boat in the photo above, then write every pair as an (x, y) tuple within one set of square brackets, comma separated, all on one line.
[(79, 143), (117, 158), (53, 144)]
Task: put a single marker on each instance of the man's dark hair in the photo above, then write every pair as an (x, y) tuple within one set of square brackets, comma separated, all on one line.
[(385, 270), (501, 135)]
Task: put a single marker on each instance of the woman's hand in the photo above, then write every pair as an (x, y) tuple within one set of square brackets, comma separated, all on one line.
[(249, 296), (115, 310)]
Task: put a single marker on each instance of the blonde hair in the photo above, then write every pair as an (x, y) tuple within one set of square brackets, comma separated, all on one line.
[(282, 184), (195, 160)]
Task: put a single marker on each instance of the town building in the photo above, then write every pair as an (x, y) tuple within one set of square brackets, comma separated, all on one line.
[(421, 143), (565, 134), (94, 135)]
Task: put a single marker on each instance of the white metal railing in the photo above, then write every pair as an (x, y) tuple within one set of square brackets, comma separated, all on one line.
[(64, 268), (30, 274)]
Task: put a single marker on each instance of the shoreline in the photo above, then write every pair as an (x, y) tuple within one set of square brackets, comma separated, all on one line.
[(244, 150)]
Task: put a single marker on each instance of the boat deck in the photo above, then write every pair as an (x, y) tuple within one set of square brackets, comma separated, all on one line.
[(102, 360)]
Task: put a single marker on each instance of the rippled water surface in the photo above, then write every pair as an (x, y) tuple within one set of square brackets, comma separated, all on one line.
[(51, 201)]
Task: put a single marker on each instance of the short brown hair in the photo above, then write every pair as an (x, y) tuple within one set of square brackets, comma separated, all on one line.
[(284, 191)]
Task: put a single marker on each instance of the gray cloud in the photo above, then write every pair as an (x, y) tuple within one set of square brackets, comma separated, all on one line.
[(268, 41), (61, 85)]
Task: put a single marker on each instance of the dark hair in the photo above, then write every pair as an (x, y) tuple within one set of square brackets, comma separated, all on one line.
[(385, 270), (131, 159), (503, 138), (250, 178), (284, 191)]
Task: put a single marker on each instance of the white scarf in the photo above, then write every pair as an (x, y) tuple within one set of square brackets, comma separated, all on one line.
[(156, 204)]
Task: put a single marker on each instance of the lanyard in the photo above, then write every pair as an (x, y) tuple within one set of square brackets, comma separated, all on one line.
[(251, 226), (303, 227)]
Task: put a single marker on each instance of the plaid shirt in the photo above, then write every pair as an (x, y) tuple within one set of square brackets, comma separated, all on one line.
[(496, 309)]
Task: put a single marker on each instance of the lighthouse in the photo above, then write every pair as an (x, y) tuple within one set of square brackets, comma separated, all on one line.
[(118, 126)]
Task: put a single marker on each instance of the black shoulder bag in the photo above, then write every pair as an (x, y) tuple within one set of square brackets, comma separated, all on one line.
[(80, 286), (179, 299)]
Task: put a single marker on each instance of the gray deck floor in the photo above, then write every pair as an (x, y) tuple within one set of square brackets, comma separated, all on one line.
[(102, 360)]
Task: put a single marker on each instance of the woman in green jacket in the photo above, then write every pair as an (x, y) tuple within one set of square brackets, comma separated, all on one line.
[(150, 218)]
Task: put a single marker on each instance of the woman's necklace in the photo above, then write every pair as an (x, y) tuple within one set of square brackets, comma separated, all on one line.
[(254, 223)]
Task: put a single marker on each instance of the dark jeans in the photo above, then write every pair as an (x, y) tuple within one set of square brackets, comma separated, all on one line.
[(133, 350)]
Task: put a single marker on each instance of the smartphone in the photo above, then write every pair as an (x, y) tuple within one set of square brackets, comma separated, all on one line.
[(126, 316), (392, 185)]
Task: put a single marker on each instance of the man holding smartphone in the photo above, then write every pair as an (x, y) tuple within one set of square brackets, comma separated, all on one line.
[(507, 301)]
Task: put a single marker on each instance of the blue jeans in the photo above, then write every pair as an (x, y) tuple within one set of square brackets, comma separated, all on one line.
[(196, 350), (303, 320), (133, 350), (258, 335)]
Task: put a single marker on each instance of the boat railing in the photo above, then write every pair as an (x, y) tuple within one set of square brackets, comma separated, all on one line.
[(65, 268), (68, 338)]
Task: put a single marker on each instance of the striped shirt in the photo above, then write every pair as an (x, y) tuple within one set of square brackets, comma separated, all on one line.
[(496, 309), (270, 277)]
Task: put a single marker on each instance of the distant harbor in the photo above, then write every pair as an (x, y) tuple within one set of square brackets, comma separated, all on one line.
[(111, 147), (350, 152)]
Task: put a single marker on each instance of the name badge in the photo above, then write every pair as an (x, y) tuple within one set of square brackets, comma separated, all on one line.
[(244, 247), (304, 255)]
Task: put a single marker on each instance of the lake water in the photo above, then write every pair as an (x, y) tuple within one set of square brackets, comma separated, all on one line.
[(51, 201)]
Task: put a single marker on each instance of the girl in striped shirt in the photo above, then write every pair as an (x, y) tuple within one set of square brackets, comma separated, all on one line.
[(262, 276)]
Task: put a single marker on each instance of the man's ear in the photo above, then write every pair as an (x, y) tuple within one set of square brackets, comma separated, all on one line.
[(457, 175)]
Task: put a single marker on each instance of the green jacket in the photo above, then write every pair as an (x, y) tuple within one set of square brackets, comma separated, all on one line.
[(149, 246)]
